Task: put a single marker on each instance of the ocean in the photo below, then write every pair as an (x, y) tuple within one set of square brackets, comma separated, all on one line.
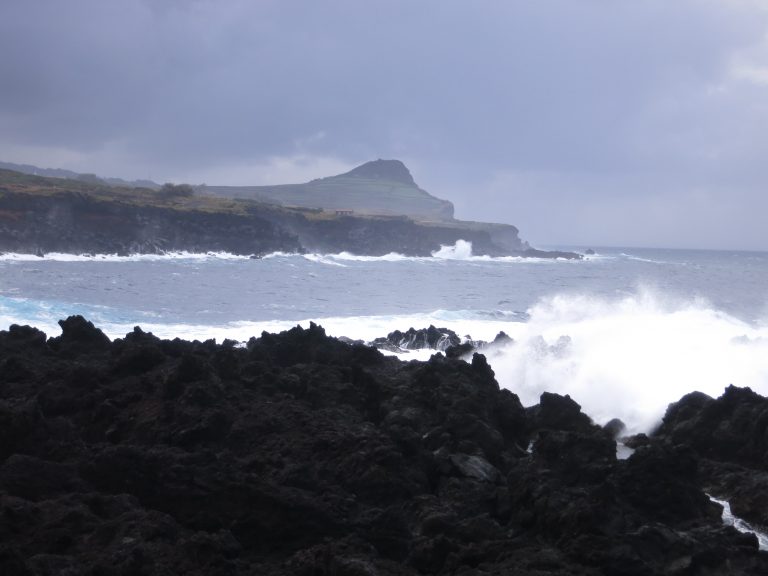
[(624, 332)]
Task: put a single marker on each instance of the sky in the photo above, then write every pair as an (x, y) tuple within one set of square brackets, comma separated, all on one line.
[(582, 122)]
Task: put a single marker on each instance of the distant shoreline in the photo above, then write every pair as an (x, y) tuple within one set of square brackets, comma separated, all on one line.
[(40, 215)]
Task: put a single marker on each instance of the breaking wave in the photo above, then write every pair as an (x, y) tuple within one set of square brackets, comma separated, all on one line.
[(461, 251), (630, 357), (63, 257)]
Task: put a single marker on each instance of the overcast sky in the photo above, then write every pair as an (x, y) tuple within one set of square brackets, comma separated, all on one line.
[(583, 122)]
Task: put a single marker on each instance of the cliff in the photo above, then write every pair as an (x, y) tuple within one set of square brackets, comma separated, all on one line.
[(39, 214)]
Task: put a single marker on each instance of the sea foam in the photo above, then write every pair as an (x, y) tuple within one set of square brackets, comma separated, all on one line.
[(630, 357), (460, 251), (64, 257)]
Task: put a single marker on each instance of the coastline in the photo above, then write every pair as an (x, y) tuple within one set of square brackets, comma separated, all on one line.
[(40, 215), (300, 453)]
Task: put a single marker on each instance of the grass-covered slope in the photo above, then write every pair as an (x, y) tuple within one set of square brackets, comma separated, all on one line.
[(381, 187)]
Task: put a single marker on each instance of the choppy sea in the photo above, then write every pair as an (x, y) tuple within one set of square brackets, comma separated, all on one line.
[(624, 331)]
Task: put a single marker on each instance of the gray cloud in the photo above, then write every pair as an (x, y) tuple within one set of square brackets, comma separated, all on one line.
[(573, 119)]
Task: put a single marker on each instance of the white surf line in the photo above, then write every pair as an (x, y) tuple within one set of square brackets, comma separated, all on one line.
[(741, 525)]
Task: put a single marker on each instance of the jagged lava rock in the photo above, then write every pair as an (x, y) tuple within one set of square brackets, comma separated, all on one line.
[(413, 339), (302, 454), (730, 433)]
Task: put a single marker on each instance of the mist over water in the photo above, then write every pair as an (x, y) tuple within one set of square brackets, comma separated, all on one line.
[(629, 358), (623, 332)]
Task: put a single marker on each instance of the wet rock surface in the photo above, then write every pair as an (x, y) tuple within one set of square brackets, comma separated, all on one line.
[(439, 339), (730, 436), (413, 339), (302, 454)]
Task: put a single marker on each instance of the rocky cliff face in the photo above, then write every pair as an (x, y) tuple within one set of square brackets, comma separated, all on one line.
[(77, 223), (300, 454)]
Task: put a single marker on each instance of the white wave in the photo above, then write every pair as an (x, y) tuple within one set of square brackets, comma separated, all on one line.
[(630, 358), (322, 259), (741, 525), (64, 257), (598, 257), (460, 251), (640, 259), (391, 257), (278, 254)]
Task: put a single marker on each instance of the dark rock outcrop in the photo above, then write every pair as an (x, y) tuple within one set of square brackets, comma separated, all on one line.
[(730, 435), (440, 339), (469, 346), (75, 223), (412, 339), (302, 454)]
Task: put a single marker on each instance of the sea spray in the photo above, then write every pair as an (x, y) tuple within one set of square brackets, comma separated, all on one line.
[(629, 358)]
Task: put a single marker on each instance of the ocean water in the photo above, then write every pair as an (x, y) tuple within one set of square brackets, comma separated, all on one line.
[(624, 332)]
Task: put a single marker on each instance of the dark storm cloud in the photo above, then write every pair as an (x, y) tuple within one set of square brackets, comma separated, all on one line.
[(516, 110)]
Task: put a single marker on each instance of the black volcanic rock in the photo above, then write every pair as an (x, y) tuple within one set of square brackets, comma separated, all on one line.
[(534, 253), (731, 428), (560, 413), (441, 339), (729, 434), (413, 339), (79, 335), (614, 428), (469, 345), (302, 454)]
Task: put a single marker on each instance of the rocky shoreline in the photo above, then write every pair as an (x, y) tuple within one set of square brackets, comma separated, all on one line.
[(302, 454)]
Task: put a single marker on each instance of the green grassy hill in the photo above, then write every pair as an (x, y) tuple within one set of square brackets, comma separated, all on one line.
[(381, 187)]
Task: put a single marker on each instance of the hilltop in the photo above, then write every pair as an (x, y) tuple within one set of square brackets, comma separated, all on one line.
[(379, 187)]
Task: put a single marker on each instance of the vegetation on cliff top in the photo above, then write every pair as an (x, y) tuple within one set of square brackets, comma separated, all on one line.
[(377, 188), (171, 196)]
